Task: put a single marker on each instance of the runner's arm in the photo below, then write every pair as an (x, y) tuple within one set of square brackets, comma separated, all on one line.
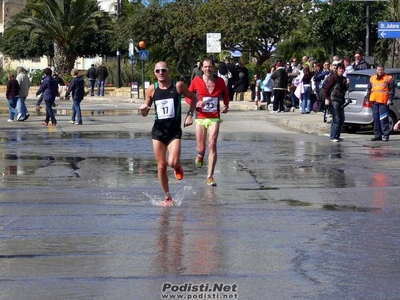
[(145, 107), (183, 89)]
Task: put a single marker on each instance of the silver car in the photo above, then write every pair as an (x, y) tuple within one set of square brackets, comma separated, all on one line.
[(359, 112)]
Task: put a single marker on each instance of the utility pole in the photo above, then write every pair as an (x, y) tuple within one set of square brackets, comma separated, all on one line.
[(118, 53), (368, 28), (333, 46)]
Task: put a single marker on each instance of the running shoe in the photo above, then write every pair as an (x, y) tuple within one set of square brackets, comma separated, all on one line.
[(72, 122), (211, 182), (44, 123), (178, 173), (167, 201), (199, 161)]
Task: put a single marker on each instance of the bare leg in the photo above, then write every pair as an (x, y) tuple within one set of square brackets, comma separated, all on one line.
[(160, 151), (174, 153), (201, 137), (212, 157)]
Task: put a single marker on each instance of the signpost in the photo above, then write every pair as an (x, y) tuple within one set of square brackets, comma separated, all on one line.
[(389, 30), (213, 42), (143, 55)]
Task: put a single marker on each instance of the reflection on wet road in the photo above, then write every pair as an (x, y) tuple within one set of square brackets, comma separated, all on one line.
[(292, 217)]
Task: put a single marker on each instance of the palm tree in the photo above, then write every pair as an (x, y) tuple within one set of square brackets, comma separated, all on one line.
[(66, 22)]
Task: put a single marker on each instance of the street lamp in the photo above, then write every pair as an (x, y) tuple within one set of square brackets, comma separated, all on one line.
[(118, 53)]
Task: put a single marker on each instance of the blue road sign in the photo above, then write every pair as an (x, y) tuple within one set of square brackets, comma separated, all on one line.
[(388, 30), (143, 55)]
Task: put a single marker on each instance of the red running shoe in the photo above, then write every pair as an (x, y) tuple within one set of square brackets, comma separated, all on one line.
[(178, 173)]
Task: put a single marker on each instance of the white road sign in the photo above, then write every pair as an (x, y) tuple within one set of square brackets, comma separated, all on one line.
[(213, 42)]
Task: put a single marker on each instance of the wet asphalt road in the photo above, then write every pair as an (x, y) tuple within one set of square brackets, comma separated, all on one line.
[(293, 216)]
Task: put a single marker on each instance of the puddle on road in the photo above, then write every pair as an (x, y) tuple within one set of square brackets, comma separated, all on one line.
[(351, 208)]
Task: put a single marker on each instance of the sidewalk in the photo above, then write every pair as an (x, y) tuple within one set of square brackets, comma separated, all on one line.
[(310, 123)]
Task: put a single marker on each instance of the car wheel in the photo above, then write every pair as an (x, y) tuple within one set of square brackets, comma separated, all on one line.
[(352, 128)]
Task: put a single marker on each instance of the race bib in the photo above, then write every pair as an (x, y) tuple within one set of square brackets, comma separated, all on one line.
[(210, 104), (165, 108)]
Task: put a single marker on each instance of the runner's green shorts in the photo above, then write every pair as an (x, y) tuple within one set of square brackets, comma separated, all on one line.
[(208, 122)]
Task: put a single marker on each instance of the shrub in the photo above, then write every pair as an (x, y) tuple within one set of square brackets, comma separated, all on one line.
[(36, 77)]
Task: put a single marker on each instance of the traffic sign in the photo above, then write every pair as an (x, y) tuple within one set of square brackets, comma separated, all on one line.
[(131, 51), (143, 54), (213, 42), (388, 30)]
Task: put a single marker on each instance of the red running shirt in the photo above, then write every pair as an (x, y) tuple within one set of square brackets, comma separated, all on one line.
[(211, 109)]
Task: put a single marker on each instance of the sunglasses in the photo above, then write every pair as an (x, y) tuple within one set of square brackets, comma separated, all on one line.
[(160, 70)]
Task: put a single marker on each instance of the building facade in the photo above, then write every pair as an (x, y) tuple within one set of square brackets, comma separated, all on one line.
[(9, 8)]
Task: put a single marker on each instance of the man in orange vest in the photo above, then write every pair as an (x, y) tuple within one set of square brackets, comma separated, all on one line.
[(381, 92)]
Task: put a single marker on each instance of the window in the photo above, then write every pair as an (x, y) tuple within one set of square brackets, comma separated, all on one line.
[(358, 82)]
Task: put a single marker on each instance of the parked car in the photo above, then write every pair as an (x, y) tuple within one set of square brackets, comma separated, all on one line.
[(359, 112)]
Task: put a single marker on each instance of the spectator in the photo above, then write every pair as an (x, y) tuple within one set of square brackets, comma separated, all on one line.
[(267, 89), (243, 80), (24, 85), (197, 71), (49, 89), (91, 74), (335, 90), (296, 64), (255, 87), (77, 88), (38, 107), (61, 86), (232, 77), (280, 79), (102, 74), (223, 72), (320, 78), (359, 62), (306, 104), (347, 65), (12, 93), (305, 61)]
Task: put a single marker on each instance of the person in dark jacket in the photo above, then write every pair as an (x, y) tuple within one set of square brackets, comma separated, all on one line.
[(77, 88), (91, 74), (58, 79), (102, 74), (12, 93), (232, 77), (61, 86), (197, 71), (242, 83), (280, 79), (335, 90), (49, 89), (359, 62)]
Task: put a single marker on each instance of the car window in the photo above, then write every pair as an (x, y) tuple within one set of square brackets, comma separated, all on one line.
[(358, 82), (396, 77)]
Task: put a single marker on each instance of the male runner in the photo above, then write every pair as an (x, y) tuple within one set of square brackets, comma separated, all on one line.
[(167, 131), (209, 89)]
